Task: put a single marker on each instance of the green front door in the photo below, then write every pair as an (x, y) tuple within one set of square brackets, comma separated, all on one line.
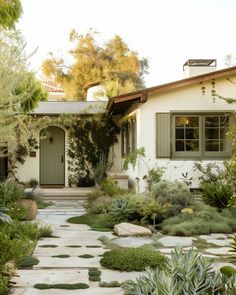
[(52, 156)]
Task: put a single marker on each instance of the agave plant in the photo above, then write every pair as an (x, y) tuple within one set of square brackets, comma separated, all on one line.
[(119, 209), (186, 273), (4, 217)]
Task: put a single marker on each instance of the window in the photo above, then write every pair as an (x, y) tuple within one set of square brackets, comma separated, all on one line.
[(201, 135), (128, 136)]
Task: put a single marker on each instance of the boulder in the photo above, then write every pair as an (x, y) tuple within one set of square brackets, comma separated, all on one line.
[(128, 229)]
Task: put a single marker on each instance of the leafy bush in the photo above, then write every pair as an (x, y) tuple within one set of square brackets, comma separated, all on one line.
[(228, 270), (110, 188), (4, 217), (233, 244), (204, 220), (100, 205), (211, 172), (3, 284), (177, 194), (10, 191), (187, 272), (33, 182), (132, 259), (153, 176), (216, 194)]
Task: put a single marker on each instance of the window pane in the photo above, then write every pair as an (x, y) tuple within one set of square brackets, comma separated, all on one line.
[(212, 145), (192, 133), (223, 133), (224, 121), (179, 133), (179, 146), (188, 121), (212, 121), (192, 145), (212, 133)]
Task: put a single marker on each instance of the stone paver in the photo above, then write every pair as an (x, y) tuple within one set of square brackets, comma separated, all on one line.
[(132, 242), (171, 241)]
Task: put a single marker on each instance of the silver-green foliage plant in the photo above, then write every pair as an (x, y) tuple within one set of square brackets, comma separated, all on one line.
[(10, 191), (175, 193), (185, 273)]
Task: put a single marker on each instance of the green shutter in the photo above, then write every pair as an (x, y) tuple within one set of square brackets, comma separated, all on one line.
[(163, 135)]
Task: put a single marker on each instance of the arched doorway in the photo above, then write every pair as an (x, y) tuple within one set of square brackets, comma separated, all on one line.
[(52, 156)]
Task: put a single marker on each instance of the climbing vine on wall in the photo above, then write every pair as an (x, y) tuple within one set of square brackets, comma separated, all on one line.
[(90, 139)]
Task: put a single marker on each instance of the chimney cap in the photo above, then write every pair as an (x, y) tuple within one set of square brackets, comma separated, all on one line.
[(200, 63)]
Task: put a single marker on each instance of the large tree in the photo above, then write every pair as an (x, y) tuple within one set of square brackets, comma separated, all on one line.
[(10, 12), (112, 64)]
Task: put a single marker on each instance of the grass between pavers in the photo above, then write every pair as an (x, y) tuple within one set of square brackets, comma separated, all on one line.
[(94, 274), (61, 256), (93, 246), (98, 222), (62, 286), (86, 256), (28, 262), (48, 246), (64, 225), (202, 244), (74, 246), (112, 284)]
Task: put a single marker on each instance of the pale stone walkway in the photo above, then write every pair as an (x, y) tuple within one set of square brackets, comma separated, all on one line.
[(74, 269)]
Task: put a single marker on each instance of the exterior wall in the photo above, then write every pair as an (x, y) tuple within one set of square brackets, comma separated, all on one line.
[(30, 169), (185, 99)]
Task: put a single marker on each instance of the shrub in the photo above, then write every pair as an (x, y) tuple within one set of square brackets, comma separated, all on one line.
[(10, 191), (216, 194), (132, 259), (233, 244), (228, 270), (187, 272), (110, 188), (177, 194), (100, 205), (204, 220), (153, 177), (3, 284), (211, 172), (33, 183)]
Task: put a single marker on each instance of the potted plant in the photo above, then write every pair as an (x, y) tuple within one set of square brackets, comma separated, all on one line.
[(28, 200)]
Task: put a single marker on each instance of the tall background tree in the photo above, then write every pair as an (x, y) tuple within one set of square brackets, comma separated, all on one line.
[(112, 64), (10, 12)]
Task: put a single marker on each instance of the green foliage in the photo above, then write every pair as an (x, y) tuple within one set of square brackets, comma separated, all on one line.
[(86, 256), (41, 204), (94, 274), (4, 217), (177, 194), (228, 270), (48, 246), (186, 272), (111, 284), (119, 210), (153, 176), (33, 182), (112, 63), (45, 231), (233, 244), (132, 259), (101, 222), (90, 139), (132, 158), (204, 220), (3, 284), (10, 12), (61, 256), (216, 194), (10, 191), (28, 262), (110, 188), (209, 173), (61, 286)]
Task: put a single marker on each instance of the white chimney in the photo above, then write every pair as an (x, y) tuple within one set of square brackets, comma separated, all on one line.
[(195, 67)]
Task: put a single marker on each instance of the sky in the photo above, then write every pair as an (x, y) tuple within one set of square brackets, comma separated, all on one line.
[(167, 32)]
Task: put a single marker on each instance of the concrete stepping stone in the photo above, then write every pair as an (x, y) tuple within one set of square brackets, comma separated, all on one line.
[(219, 251), (31, 277), (222, 240), (73, 251), (89, 291), (132, 241), (172, 241), (108, 275), (70, 262)]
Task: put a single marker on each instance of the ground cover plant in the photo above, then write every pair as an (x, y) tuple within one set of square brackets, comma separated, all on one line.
[(186, 272), (94, 274), (28, 262), (132, 259), (61, 286), (86, 256)]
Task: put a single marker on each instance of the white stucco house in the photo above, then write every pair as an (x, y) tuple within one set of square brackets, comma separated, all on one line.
[(177, 123)]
